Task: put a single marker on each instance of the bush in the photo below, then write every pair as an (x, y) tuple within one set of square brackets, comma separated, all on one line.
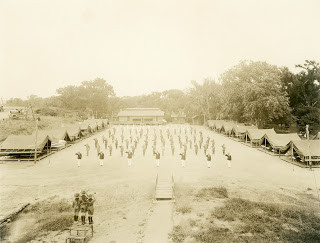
[(212, 192)]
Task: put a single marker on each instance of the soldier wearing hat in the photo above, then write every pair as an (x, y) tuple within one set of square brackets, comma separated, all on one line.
[(76, 207), (90, 208), (83, 206)]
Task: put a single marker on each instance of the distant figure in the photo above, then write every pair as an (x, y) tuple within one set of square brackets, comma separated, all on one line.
[(76, 207), (79, 157), (101, 158), (95, 142), (144, 149), (183, 159), (98, 148), (229, 159), (110, 149), (121, 150), (172, 149), (116, 143), (157, 154), (129, 158), (196, 148), (87, 148), (90, 208), (223, 149), (208, 160)]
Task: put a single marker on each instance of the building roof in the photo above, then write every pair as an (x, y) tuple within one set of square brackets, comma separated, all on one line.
[(241, 128), (143, 112), (307, 148), (219, 124), (73, 131), (178, 115), (54, 134), (257, 134), (24, 142), (227, 126), (281, 140)]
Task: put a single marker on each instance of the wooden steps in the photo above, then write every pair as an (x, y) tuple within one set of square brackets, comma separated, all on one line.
[(164, 188)]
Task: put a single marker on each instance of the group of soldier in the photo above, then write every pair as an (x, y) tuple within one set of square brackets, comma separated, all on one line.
[(83, 207), (127, 138)]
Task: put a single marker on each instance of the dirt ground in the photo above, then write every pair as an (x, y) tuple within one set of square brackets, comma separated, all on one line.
[(124, 194)]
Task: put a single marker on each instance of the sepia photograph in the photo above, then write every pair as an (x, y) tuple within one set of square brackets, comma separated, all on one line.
[(148, 121)]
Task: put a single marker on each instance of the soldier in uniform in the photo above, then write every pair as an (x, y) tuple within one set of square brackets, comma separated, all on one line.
[(83, 206), (157, 154), (79, 157), (87, 148), (223, 149), (101, 158), (208, 160), (90, 208), (129, 158), (229, 159), (183, 159), (196, 148), (76, 207), (110, 149)]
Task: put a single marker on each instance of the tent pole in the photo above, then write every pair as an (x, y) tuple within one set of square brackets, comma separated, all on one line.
[(35, 142)]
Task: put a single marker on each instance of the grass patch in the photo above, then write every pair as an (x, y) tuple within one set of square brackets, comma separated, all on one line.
[(240, 220), (184, 209), (48, 216), (278, 222), (212, 192)]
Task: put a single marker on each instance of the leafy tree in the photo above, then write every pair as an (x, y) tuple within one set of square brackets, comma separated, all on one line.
[(205, 98), (304, 94), (93, 95), (253, 93)]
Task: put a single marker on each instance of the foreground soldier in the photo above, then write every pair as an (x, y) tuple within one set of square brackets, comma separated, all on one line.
[(90, 208), (208, 160), (101, 158), (79, 157), (157, 154), (229, 159), (83, 206), (76, 207), (183, 159), (129, 157)]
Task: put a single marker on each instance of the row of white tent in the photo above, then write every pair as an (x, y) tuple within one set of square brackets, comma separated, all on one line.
[(45, 141), (289, 145)]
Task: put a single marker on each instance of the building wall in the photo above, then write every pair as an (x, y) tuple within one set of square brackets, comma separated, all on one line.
[(139, 119)]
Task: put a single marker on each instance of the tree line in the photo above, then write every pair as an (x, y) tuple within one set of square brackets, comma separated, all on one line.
[(249, 92)]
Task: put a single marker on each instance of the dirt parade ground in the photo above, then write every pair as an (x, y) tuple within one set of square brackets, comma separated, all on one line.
[(125, 210)]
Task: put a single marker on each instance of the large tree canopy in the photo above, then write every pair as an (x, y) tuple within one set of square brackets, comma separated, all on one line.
[(90, 95), (253, 93), (304, 93)]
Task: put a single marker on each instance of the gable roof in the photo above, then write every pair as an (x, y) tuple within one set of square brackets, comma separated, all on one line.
[(219, 124), (281, 140), (257, 134), (307, 148), (227, 126), (241, 128), (24, 142), (54, 134), (73, 131), (141, 112)]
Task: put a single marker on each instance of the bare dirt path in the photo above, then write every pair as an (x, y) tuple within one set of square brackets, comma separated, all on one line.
[(160, 223)]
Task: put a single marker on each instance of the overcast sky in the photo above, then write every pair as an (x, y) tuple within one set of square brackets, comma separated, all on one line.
[(142, 46)]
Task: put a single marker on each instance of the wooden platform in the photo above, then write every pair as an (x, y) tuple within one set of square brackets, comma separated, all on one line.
[(80, 233), (164, 187)]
